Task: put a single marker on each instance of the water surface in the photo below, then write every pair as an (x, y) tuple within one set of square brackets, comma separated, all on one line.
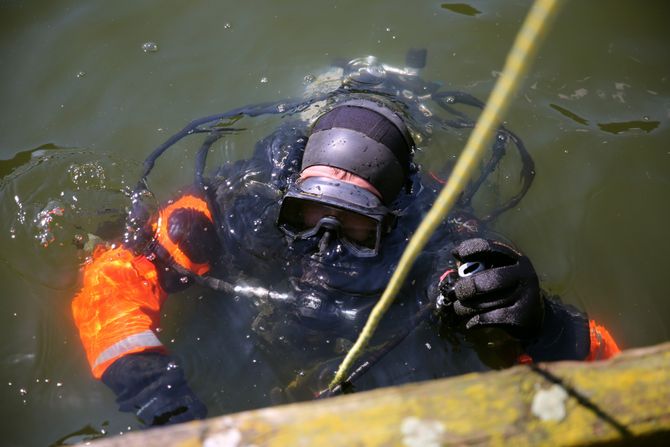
[(89, 88)]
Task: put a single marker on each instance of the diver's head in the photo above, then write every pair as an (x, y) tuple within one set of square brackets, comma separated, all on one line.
[(356, 161)]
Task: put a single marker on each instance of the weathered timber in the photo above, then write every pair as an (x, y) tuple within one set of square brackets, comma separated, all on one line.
[(625, 400)]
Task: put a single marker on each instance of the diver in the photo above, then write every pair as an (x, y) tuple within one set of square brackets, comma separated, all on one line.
[(320, 213)]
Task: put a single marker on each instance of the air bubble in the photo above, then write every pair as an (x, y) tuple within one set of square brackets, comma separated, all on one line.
[(149, 47)]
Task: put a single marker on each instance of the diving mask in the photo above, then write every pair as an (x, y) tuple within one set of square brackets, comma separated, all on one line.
[(318, 205)]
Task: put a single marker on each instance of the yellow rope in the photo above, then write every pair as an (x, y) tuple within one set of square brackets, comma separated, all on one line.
[(523, 50)]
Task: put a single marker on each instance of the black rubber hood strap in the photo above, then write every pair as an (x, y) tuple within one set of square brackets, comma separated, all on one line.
[(359, 154), (366, 139)]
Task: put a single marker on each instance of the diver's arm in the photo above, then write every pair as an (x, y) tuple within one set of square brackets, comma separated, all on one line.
[(506, 294), (118, 308), (568, 334)]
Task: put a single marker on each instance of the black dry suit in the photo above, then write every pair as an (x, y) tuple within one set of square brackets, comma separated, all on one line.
[(323, 299), (298, 243), (301, 302)]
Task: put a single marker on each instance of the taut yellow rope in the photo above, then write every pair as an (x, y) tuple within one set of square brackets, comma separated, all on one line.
[(524, 48)]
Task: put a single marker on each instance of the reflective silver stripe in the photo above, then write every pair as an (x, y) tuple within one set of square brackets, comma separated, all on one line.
[(146, 339)]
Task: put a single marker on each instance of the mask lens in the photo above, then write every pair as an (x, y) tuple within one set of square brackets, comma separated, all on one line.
[(292, 218), (359, 229), (302, 218)]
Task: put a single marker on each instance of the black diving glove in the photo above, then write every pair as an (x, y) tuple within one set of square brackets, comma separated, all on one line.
[(153, 387), (497, 287)]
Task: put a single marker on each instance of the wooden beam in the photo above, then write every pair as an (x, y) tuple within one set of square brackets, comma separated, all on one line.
[(625, 400)]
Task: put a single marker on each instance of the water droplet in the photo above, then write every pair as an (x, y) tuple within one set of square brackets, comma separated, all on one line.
[(227, 25), (308, 79), (264, 80), (23, 392), (183, 280), (59, 384), (149, 47), (81, 74)]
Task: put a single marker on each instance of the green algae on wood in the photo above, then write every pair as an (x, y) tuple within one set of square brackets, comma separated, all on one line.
[(623, 400)]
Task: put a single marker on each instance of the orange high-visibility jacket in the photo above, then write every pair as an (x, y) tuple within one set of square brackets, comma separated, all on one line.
[(117, 309)]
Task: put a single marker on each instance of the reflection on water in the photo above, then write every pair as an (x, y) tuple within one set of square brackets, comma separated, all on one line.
[(615, 128), (84, 434), (461, 8), (84, 102), (573, 116), (618, 127)]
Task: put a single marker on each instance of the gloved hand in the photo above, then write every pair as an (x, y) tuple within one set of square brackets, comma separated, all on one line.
[(153, 387), (504, 294)]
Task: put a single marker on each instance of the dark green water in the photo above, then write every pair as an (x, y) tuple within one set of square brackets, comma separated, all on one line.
[(82, 104)]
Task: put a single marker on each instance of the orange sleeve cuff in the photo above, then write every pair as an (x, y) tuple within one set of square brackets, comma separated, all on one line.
[(118, 307), (161, 231), (603, 345)]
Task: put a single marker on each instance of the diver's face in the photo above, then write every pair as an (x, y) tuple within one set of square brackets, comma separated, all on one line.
[(323, 225), (359, 230), (328, 259)]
